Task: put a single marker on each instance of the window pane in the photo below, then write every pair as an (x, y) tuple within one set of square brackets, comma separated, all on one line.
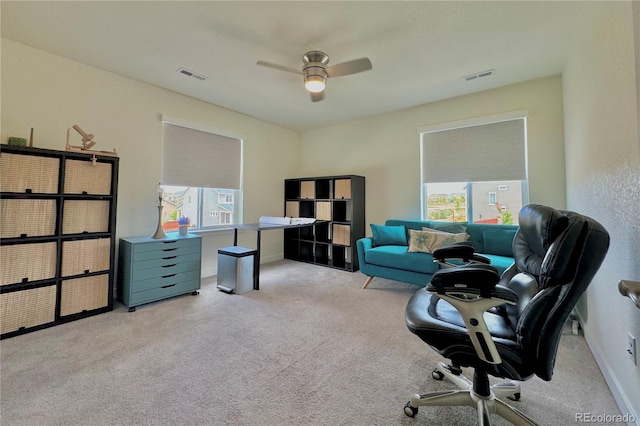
[(477, 202), (205, 207), (220, 205), (496, 202), (447, 202), (179, 201)]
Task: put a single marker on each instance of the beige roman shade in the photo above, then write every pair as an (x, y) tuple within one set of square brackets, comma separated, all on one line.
[(198, 158), (487, 152)]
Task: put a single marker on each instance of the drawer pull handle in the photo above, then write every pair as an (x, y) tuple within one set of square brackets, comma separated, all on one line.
[(171, 249), (169, 242), (169, 276), (169, 266), (169, 257), (167, 286)]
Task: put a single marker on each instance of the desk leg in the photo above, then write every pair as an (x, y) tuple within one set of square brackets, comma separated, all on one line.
[(256, 265), (235, 236)]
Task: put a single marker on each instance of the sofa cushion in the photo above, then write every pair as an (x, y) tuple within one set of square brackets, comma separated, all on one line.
[(427, 240), (501, 263), (452, 227), (384, 235), (498, 241), (397, 257)]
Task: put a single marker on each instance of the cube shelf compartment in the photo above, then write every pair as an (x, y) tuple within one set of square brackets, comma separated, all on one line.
[(338, 205), (57, 230)]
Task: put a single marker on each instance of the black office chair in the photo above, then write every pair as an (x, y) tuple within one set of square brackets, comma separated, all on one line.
[(509, 326)]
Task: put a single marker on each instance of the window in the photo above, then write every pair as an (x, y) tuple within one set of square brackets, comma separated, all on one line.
[(201, 174), (225, 198), (474, 171)]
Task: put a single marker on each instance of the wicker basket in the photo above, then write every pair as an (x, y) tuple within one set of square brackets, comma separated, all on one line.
[(22, 172), (84, 177), (85, 216), (27, 262), (83, 256), (342, 234), (84, 294), (343, 188), (29, 217), (27, 308), (323, 210)]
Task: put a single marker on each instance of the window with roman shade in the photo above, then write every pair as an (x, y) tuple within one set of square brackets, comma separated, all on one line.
[(474, 170), (201, 174)]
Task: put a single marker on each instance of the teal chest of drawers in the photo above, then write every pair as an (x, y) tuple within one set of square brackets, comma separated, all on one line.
[(155, 269)]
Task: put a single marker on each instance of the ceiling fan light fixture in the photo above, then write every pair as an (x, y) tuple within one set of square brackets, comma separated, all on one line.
[(315, 83)]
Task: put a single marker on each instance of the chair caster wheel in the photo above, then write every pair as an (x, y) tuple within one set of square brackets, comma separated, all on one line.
[(409, 410), (515, 396), (437, 374)]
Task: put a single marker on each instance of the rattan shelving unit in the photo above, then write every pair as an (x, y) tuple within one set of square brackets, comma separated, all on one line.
[(338, 205), (57, 237)]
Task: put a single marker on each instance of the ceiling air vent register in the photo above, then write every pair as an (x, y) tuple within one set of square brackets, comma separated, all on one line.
[(193, 74), (478, 75)]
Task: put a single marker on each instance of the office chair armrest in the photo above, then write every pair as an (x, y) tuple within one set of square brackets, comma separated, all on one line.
[(463, 252), (478, 280)]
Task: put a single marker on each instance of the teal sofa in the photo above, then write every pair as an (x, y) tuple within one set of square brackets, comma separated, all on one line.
[(395, 262)]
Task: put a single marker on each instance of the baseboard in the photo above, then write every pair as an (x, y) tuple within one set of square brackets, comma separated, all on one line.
[(618, 394)]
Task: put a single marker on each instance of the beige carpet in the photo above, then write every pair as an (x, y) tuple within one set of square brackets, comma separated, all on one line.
[(309, 348)]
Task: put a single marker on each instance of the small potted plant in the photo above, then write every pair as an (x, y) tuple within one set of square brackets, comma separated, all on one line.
[(183, 225)]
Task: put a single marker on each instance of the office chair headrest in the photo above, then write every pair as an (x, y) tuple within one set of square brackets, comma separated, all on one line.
[(539, 228)]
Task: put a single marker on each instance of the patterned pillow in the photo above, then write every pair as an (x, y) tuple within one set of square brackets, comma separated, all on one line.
[(427, 240)]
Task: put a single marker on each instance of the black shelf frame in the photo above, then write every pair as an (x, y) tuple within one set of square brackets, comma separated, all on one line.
[(58, 237), (314, 244)]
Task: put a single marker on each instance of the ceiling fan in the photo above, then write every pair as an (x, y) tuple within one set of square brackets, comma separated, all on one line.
[(315, 71)]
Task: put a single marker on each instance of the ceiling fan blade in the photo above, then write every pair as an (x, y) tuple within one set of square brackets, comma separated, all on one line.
[(316, 96), (278, 67), (349, 67)]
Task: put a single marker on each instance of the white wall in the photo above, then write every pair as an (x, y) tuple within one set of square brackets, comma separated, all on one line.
[(50, 94), (603, 181), (385, 149)]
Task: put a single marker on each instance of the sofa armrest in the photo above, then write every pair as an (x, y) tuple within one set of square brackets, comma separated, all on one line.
[(362, 245)]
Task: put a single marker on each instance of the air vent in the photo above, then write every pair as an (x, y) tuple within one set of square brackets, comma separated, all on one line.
[(193, 74), (478, 75)]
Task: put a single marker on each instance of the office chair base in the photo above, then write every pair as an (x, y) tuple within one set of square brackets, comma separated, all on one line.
[(465, 396), (510, 389)]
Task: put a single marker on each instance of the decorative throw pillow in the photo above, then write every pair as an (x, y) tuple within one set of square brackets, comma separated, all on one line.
[(419, 241), (427, 240), (386, 235)]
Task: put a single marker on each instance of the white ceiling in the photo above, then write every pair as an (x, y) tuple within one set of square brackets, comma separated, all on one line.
[(419, 49)]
